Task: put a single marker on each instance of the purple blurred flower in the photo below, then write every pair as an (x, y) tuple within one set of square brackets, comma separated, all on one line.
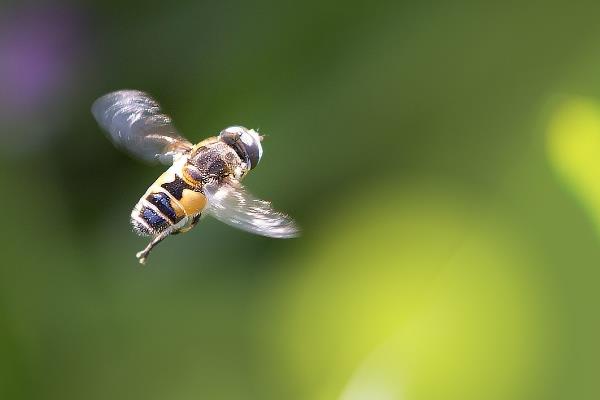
[(37, 50)]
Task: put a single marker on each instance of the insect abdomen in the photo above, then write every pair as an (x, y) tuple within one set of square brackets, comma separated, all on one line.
[(163, 203), (167, 204), (154, 213)]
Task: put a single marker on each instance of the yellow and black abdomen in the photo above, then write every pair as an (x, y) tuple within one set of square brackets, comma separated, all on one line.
[(172, 202)]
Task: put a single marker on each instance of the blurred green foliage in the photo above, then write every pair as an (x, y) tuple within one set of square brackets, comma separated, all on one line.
[(441, 159)]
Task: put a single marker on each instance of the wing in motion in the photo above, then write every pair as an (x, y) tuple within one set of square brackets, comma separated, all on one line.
[(134, 122), (230, 203)]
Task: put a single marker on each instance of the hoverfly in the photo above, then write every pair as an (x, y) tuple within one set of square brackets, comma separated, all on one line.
[(203, 179)]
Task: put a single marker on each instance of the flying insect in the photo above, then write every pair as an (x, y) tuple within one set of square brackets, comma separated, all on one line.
[(203, 179)]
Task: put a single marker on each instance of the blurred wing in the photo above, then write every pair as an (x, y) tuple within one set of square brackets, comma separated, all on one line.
[(134, 122), (230, 203)]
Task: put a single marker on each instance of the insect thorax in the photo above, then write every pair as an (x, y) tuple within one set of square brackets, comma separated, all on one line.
[(212, 163)]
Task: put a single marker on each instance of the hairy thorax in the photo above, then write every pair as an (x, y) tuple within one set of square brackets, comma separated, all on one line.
[(212, 162)]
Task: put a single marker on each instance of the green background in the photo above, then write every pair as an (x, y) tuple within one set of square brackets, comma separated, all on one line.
[(442, 160)]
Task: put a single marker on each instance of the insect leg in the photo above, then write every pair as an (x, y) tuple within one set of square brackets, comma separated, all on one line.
[(142, 255)]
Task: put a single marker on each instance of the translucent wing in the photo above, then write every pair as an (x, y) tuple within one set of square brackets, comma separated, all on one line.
[(230, 203), (134, 122)]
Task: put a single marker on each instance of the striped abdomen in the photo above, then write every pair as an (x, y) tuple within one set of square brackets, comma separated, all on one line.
[(172, 202)]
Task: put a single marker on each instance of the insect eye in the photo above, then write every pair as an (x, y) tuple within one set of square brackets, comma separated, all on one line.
[(245, 142)]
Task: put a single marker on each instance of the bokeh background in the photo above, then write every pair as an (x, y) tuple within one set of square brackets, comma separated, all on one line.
[(442, 159)]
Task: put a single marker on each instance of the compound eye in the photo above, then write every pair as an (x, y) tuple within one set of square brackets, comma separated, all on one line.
[(245, 142), (253, 147), (233, 131)]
